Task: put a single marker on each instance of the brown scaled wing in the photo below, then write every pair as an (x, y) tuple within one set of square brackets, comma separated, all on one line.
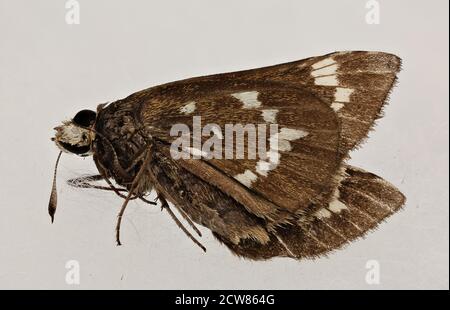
[(334, 98)]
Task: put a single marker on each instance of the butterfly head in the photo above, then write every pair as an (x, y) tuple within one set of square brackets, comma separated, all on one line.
[(76, 136)]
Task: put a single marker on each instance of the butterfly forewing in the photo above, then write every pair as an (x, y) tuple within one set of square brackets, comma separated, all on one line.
[(322, 103), (354, 84), (308, 135)]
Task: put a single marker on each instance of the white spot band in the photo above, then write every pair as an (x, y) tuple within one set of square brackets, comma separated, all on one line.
[(249, 99), (247, 178), (188, 108)]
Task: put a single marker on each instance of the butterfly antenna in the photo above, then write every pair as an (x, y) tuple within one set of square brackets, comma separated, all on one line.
[(54, 195)]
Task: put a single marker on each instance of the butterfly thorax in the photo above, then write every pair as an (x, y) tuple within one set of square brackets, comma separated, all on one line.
[(119, 142)]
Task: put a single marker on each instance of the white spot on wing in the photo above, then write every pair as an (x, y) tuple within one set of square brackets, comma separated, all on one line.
[(343, 94), (323, 63), (196, 152), (188, 108), (330, 80), (248, 98), (283, 145), (278, 142), (322, 213), (246, 178), (263, 167), (330, 70), (291, 134), (325, 74), (337, 106), (270, 116), (274, 157), (336, 206)]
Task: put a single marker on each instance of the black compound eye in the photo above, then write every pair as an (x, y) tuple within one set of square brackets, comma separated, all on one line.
[(85, 118)]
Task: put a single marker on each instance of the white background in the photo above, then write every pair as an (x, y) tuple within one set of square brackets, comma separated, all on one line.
[(49, 70)]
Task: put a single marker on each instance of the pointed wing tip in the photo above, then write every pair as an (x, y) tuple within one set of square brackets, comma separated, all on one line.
[(394, 60)]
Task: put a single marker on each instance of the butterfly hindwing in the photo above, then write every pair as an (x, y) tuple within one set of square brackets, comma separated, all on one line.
[(366, 199)]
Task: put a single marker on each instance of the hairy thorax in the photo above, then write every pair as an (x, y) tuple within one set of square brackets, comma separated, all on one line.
[(120, 143)]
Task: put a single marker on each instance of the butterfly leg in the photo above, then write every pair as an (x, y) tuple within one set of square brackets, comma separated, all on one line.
[(165, 205), (185, 216), (133, 187), (88, 182)]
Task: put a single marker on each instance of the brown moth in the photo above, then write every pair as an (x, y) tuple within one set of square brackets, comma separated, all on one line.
[(301, 200)]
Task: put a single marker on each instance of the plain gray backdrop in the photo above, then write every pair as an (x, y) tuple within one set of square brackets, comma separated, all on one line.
[(49, 70)]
